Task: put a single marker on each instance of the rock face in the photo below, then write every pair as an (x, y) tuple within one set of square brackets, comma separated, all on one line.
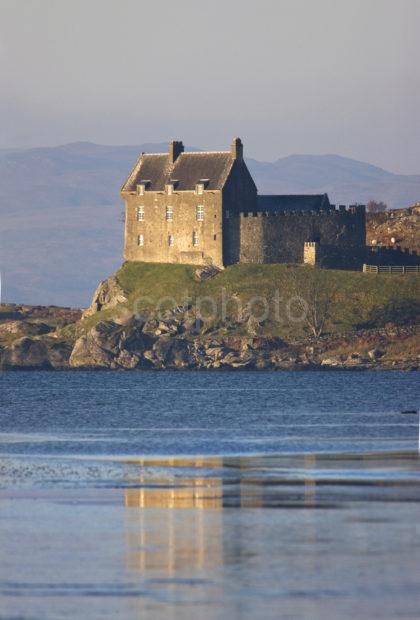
[(28, 336), (108, 294), (47, 353), (110, 345), (402, 225), (180, 340), (25, 328)]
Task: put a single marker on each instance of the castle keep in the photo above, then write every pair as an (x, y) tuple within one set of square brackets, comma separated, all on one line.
[(204, 208)]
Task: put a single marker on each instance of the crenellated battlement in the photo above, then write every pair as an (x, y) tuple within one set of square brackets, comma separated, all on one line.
[(331, 211)]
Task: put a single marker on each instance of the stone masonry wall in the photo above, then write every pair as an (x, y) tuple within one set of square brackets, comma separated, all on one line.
[(239, 194), (156, 229), (280, 237)]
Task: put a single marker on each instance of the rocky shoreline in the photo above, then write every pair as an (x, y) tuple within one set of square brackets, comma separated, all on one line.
[(33, 338)]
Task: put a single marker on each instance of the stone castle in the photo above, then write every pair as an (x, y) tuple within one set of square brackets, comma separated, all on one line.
[(203, 208)]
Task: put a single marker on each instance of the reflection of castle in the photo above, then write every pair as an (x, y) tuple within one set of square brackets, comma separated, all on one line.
[(194, 492), (172, 540), (191, 537)]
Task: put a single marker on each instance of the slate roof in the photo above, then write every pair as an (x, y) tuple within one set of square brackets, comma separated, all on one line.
[(293, 202), (188, 169)]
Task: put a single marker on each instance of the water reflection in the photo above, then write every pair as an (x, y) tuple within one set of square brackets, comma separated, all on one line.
[(177, 507)]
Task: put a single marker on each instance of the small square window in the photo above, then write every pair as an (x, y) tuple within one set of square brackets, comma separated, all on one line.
[(195, 238), (140, 214), (140, 240), (227, 213), (214, 237), (200, 213), (169, 214), (170, 240)]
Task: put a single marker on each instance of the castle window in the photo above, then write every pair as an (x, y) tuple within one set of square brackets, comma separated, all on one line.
[(200, 213), (140, 214), (169, 214), (227, 213), (140, 189), (195, 238), (201, 185), (170, 240), (140, 240)]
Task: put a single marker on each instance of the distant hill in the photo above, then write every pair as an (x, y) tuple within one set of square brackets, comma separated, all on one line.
[(61, 228)]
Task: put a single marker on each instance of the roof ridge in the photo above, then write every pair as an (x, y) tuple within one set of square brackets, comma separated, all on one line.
[(205, 153), (291, 195)]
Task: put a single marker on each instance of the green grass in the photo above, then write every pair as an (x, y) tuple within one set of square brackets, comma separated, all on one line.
[(357, 296)]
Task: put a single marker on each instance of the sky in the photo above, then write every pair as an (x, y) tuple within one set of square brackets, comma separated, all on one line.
[(287, 76)]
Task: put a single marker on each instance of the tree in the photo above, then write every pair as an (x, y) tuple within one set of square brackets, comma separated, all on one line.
[(313, 296), (374, 206)]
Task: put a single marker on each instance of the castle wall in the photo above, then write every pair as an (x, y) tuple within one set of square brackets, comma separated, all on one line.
[(375, 255), (156, 229), (239, 194), (280, 237)]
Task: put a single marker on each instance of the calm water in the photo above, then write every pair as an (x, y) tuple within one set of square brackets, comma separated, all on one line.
[(209, 495)]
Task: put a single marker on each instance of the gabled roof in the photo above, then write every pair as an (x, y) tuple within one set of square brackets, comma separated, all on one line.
[(293, 202), (188, 170)]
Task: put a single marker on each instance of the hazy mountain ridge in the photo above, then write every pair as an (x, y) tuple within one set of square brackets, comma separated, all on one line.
[(85, 173), (60, 210)]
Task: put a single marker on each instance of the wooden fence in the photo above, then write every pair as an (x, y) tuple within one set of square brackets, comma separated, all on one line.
[(391, 268)]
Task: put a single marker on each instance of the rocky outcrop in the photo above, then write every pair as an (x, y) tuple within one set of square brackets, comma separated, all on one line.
[(46, 353), (180, 340), (110, 345), (207, 272), (28, 336), (25, 328), (53, 316), (395, 227), (108, 294)]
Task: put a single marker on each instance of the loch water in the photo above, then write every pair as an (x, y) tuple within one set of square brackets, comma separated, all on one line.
[(209, 495)]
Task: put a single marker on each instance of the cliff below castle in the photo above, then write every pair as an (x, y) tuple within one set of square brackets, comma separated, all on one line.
[(157, 316)]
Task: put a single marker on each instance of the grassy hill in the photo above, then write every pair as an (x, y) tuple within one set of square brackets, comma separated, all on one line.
[(247, 316), (357, 300)]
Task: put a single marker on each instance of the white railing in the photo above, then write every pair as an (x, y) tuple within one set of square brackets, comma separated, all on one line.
[(391, 268)]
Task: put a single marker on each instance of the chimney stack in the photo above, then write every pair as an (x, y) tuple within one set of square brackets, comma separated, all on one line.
[(175, 148), (237, 149)]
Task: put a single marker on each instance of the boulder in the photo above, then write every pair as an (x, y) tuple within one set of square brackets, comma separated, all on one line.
[(331, 361), (170, 352), (192, 325), (252, 326), (110, 345), (204, 273), (375, 354), (108, 294), (87, 353)]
